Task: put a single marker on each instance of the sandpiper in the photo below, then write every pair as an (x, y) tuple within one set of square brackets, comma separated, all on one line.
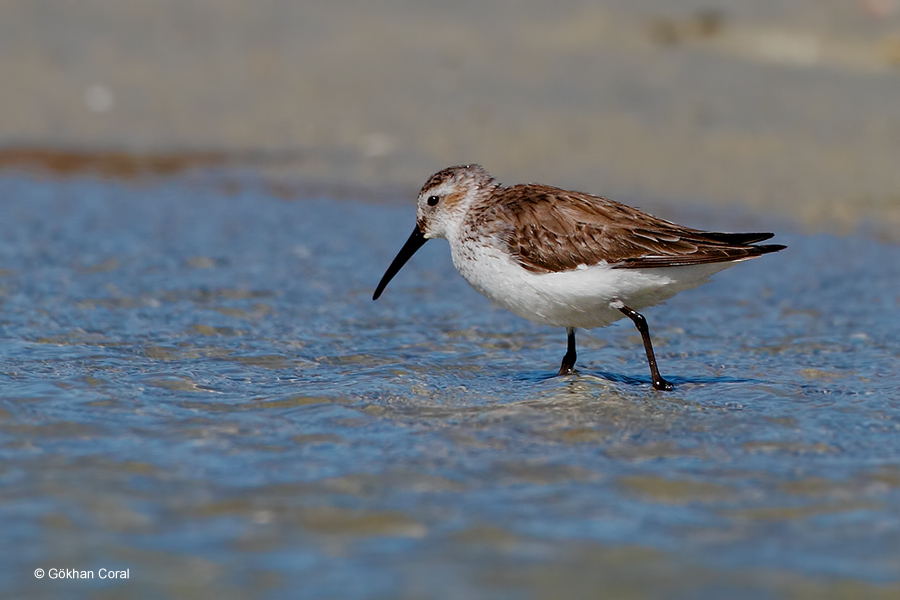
[(565, 258)]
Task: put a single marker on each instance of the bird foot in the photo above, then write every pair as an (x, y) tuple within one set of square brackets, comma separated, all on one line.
[(566, 370), (662, 385)]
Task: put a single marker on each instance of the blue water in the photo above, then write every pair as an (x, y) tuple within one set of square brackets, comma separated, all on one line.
[(197, 387)]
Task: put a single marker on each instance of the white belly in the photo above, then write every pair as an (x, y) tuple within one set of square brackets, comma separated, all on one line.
[(579, 298)]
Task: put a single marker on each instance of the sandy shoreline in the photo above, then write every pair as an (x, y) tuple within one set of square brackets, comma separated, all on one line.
[(789, 110)]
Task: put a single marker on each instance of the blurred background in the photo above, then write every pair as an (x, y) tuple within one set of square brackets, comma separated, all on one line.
[(776, 107), (197, 198)]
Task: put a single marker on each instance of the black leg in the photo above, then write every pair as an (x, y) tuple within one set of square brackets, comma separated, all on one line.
[(568, 361), (641, 323)]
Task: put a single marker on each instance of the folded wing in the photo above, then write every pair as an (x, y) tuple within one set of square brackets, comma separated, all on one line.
[(548, 229)]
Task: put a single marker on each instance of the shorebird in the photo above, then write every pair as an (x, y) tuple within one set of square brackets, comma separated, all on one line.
[(564, 258)]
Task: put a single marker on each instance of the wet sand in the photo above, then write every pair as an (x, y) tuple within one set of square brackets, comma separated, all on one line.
[(197, 387), (773, 108)]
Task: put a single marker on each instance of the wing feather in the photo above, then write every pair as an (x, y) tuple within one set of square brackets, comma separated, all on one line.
[(548, 229)]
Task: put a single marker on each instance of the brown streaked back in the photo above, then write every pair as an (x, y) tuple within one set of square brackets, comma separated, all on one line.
[(548, 229)]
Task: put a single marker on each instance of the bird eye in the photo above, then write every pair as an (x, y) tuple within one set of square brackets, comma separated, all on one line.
[(433, 200)]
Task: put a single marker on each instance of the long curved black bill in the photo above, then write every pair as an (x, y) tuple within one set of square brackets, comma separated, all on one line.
[(414, 242)]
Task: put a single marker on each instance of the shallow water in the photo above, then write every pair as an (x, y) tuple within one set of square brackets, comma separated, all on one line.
[(197, 386)]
